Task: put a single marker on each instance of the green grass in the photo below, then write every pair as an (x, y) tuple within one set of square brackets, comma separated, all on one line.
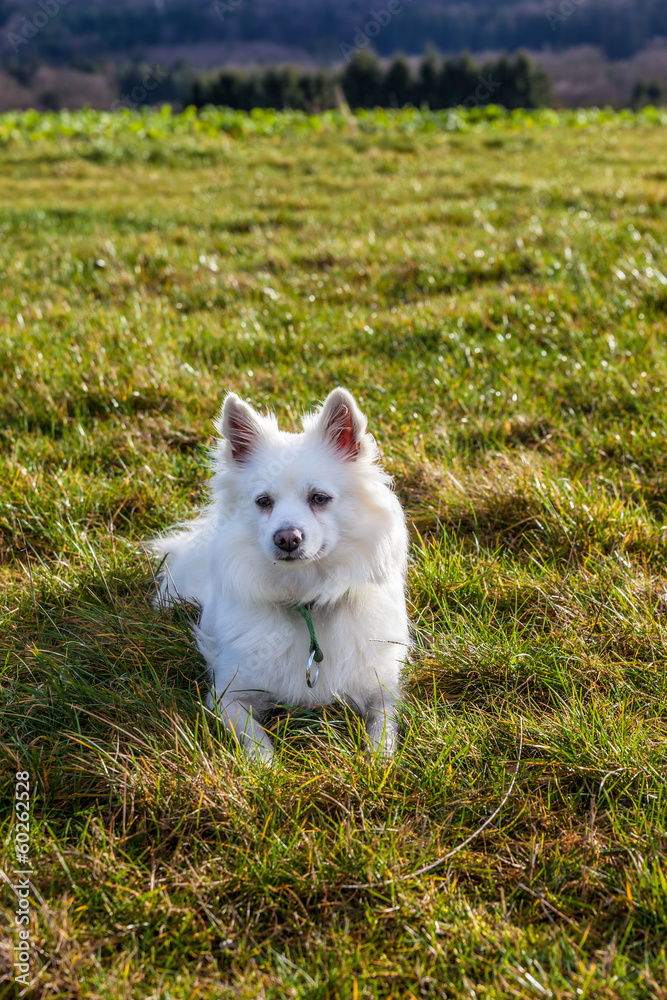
[(493, 291)]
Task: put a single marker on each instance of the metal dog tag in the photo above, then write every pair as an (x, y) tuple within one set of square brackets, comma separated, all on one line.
[(312, 671)]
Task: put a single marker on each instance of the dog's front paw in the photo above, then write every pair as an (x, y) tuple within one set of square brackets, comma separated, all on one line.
[(382, 735), (259, 752), (238, 719)]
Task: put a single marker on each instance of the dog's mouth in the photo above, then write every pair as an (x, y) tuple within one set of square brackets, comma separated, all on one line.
[(301, 557), (291, 557)]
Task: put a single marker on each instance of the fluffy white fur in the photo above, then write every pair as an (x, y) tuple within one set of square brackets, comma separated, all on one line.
[(350, 563)]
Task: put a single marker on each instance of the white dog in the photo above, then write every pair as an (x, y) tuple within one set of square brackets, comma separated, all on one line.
[(298, 564)]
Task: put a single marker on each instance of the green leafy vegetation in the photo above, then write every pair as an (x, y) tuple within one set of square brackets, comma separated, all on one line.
[(492, 287)]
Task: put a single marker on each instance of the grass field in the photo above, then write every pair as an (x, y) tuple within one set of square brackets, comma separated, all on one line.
[(494, 293)]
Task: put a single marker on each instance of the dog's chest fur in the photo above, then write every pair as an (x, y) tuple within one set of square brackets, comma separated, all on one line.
[(267, 647)]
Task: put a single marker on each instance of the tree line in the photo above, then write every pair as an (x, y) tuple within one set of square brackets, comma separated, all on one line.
[(366, 83)]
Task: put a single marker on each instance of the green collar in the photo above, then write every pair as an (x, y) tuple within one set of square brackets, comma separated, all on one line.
[(316, 653)]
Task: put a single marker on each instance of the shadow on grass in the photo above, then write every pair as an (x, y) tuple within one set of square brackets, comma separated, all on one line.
[(97, 668)]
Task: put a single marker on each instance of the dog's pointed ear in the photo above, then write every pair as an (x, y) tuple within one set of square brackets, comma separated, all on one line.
[(342, 424), (240, 425)]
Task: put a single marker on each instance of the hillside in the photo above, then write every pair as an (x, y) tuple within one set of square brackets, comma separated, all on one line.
[(87, 30)]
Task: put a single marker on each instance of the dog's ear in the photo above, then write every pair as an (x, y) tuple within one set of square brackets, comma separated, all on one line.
[(240, 425), (342, 423)]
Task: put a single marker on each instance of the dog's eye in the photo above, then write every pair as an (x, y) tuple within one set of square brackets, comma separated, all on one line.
[(319, 499), (264, 501)]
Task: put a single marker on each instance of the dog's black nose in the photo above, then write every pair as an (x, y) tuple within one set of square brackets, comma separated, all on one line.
[(288, 539)]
